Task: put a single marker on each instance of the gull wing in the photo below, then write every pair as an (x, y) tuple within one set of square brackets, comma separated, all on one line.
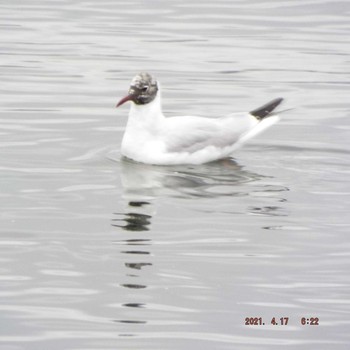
[(191, 134)]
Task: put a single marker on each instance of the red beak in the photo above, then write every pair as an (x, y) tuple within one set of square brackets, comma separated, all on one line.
[(125, 99)]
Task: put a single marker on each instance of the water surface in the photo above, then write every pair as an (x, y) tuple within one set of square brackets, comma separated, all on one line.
[(102, 253)]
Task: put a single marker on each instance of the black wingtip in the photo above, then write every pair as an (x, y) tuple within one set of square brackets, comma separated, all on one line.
[(266, 109)]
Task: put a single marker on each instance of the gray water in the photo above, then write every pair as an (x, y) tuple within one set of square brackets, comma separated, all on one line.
[(102, 253)]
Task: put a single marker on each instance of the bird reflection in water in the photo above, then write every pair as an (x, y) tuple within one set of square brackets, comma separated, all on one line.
[(135, 224), (143, 184), (132, 221)]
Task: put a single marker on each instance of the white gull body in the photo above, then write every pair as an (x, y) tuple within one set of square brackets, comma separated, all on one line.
[(152, 138)]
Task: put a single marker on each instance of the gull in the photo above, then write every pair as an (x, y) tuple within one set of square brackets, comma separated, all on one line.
[(152, 138)]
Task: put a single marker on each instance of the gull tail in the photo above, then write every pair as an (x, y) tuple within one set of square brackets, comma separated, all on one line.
[(265, 110)]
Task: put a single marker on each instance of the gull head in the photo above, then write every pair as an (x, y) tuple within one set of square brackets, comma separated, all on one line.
[(143, 89)]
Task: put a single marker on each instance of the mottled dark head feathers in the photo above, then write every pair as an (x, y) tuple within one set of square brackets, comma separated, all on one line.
[(143, 89)]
